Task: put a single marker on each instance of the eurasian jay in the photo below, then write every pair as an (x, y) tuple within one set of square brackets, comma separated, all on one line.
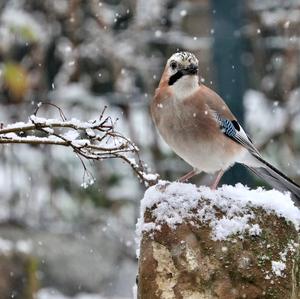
[(198, 125)]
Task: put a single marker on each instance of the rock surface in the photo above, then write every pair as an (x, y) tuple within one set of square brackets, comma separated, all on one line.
[(185, 258)]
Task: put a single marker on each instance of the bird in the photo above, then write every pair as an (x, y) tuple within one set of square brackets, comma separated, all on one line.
[(200, 128)]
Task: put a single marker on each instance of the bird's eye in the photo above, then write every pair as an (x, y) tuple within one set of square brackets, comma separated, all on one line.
[(173, 65)]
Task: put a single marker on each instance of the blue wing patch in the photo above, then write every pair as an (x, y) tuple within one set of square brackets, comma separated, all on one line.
[(227, 127), (233, 130)]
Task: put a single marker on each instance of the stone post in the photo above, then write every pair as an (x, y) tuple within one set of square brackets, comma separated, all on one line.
[(230, 243)]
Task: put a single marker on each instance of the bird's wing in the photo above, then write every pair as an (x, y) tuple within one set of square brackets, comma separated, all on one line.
[(233, 130), (225, 119)]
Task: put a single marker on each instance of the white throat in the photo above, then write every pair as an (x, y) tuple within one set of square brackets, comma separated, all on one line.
[(185, 86)]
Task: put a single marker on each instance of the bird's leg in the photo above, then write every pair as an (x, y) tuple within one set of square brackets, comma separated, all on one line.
[(187, 176), (217, 180)]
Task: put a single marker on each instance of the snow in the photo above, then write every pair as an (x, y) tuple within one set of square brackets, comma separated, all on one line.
[(150, 176), (255, 230), (260, 114), (224, 249), (17, 138), (174, 203), (90, 133), (49, 130), (81, 143), (278, 268), (49, 123), (225, 227), (183, 13), (17, 125), (71, 135), (72, 122), (135, 291), (7, 246), (87, 183), (19, 19), (24, 246)]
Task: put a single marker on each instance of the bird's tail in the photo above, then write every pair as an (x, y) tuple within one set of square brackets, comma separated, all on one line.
[(276, 179)]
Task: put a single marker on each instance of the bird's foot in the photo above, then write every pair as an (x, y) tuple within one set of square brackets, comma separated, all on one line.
[(187, 176), (214, 185)]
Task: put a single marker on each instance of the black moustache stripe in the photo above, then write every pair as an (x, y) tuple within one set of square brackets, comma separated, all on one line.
[(175, 77)]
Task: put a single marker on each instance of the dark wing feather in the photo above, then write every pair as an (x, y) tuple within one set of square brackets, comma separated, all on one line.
[(233, 130), (268, 172)]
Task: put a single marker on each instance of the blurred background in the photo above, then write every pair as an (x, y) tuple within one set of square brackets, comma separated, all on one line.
[(61, 241)]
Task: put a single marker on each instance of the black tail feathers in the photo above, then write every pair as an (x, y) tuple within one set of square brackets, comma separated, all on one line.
[(277, 179)]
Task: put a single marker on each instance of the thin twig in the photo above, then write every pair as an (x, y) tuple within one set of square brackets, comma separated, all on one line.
[(90, 145)]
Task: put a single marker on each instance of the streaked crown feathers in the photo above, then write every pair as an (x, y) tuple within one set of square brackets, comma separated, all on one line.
[(184, 57)]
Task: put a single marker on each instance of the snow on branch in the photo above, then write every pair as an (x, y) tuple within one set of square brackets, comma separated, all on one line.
[(90, 140)]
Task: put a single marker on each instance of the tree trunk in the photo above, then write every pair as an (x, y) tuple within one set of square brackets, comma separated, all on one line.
[(198, 243)]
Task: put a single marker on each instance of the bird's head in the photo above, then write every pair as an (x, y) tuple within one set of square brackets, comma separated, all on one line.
[(181, 73)]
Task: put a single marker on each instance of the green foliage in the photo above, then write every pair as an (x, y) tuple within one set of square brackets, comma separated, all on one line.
[(16, 80)]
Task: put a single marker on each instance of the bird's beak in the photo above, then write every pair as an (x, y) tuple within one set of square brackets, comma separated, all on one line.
[(192, 69)]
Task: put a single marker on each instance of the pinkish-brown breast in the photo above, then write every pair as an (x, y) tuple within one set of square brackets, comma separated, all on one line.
[(190, 128)]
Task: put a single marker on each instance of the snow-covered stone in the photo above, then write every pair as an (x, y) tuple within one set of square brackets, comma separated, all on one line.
[(233, 242), (173, 203)]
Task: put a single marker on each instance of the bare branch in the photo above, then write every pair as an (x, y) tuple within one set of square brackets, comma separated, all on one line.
[(91, 140)]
